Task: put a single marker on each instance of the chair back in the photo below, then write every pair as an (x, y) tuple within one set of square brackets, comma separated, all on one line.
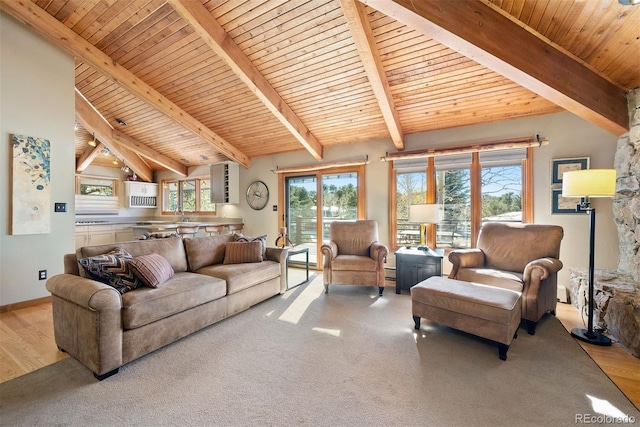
[(354, 237), (511, 246)]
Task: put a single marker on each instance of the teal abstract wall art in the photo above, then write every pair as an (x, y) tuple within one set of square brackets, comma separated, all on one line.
[(31, 193)]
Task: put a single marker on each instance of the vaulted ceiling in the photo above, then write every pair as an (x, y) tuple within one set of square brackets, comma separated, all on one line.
[(202, 81)]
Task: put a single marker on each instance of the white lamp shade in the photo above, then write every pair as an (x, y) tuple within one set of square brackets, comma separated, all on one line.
[(425, 213), (589, 183)]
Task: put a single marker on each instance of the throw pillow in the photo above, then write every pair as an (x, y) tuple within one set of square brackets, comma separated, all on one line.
[(241, 252), (111, 269), (262, 239), (152, 270)]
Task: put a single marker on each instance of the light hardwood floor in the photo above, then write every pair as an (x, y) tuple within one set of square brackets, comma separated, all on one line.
[(27, 344)]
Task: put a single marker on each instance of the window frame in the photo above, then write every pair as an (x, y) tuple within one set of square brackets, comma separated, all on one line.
[(476, 198), (198, 183)]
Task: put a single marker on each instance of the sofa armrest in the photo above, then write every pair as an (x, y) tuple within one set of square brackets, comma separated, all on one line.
[(84, 292), (378, 252), (330, 251), (279, 255), (540, 269), (87, 321), (465, 258)]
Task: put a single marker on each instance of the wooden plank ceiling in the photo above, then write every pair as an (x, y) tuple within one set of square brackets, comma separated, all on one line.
[(202, 81)]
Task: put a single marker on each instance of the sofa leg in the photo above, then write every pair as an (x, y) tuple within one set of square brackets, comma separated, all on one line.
[(502, 351), (531, 327), (553, 312), (416, 320), (62, 349), (106, 375), (326, 288), (381, 289)]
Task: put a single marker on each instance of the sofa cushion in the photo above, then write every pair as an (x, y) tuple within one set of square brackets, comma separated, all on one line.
[(262, 239), (203, 251), (498, 278), (112, 269), (241, 252), (242, 276), (152, 270), (183, 291), (171, 249)]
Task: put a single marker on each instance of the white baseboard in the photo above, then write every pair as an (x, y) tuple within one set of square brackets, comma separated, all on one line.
[(563, 294)]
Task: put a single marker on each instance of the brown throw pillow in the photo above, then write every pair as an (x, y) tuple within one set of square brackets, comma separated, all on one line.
[(241, 252), (262, 239), (152, 270)]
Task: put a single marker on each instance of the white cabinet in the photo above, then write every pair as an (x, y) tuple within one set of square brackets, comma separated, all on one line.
[(123, 232), (91, 235), (141, 194), (225, 186)]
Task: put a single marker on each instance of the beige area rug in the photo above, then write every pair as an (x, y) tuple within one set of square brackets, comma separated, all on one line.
[(347, 358)]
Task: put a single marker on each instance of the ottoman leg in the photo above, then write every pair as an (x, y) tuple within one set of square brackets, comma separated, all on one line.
[(416, 320), (502, 351)]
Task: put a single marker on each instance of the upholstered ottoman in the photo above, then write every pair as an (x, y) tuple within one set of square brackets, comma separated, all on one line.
[(482, 310)]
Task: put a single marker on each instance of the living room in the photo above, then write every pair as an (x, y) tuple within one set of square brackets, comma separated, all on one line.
[(38, 100)]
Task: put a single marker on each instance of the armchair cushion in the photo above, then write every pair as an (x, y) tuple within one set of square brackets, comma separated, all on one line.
[(353, 262)]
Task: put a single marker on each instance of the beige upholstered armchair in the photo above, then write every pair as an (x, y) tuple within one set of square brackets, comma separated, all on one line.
[(521, 257), (353, 255)]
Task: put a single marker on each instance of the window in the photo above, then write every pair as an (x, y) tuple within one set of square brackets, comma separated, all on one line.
[(453, 192), (473, 188), (187, 196), (411, 189), (96, 186)]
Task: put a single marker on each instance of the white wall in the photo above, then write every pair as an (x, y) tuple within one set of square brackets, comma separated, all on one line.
[(36, 99)]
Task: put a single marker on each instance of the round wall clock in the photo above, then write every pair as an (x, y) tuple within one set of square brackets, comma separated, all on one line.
[(257, 195)]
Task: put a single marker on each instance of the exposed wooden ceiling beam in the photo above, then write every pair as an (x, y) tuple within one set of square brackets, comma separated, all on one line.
[(483, 34), (53, 30), (219, 41), (93, 122), (114, 136), (88, 156), (356, 17)]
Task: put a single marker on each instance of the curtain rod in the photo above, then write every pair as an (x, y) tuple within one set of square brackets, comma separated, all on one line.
[(506, 144), (321, 166)]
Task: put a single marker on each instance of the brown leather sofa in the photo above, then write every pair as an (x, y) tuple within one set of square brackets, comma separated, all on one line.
[(353, 255), (104, 329), (520, 257)]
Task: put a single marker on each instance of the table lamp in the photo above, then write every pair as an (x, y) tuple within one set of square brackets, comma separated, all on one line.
[(586, 184), (424, 214)]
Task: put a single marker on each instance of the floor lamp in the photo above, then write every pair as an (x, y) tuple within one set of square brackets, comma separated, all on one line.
[(424, 214), (586, 184)]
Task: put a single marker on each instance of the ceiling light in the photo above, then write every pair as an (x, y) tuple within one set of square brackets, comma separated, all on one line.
[(93, 143), (76, 126), (115, 161), (121, 122), (105, 151)]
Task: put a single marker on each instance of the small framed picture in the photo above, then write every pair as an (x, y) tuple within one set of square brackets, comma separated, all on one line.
[(560, 166), (563, 205)]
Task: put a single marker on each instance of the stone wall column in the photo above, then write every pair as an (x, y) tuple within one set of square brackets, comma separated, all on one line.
[(626, 205)]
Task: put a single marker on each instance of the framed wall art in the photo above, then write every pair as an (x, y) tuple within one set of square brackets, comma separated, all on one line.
[(560, 166), (31, 191), (563, 205)]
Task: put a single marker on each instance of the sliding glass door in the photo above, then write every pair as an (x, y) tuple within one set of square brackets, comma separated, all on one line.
[(313, 201)]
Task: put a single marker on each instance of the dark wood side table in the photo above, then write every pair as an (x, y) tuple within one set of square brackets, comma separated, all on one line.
[(415, 265)]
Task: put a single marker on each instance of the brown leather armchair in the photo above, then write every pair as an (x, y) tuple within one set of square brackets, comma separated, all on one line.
[(353, 255), (521, 257)]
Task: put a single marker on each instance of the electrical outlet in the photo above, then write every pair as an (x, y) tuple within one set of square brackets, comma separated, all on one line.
[(60, 207), (42, 274)]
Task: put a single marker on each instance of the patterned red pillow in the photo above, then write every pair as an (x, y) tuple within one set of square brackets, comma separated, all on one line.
[(152, 270)]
